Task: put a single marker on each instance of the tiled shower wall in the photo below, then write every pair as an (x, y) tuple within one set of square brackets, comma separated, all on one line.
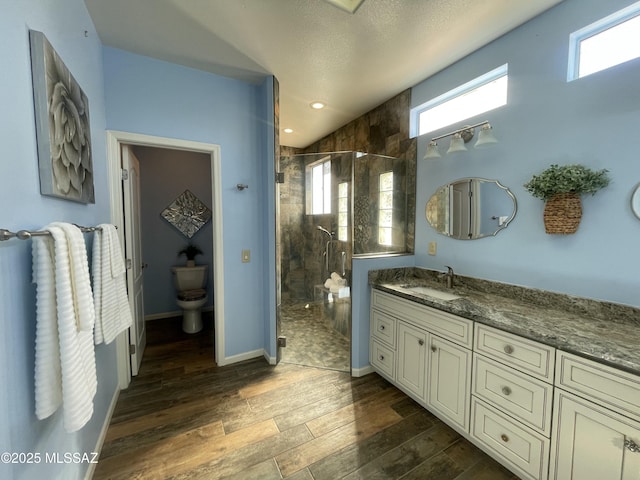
[(383, 131)]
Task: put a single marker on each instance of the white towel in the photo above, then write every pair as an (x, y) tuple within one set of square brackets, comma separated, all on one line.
[(113, 313), (64, 373)]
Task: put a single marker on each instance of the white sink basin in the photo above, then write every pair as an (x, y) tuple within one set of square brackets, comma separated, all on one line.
[(432, 292)]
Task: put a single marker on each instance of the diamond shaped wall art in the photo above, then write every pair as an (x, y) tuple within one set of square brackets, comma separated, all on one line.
[(187, 213)]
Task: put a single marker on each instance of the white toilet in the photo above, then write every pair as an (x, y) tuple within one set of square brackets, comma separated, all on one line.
[(190, 282)]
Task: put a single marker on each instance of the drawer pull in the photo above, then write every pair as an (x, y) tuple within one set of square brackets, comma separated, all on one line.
[(434, 349), (504, 438), (421, 342), (506, 391), (631, 446), (382, 328), (508, 349)]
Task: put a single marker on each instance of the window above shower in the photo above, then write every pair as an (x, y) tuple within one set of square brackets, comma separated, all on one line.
[(318, 183)]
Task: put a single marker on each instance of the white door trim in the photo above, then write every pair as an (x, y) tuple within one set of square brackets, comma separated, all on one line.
[(114, 141)]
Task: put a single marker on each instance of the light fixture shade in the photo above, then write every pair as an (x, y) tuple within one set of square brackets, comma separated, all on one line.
[(457, 144), (432, 151), (485, 137)]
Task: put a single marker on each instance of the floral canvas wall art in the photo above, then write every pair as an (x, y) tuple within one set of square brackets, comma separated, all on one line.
[(62, 126)]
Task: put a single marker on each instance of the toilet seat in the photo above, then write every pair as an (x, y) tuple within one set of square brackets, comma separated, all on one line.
[(192, 295)]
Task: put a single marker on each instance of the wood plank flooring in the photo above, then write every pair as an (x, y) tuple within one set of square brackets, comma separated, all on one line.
[(185, 418)]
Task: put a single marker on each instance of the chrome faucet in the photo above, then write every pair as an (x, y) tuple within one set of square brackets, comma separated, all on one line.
[(450, 275)]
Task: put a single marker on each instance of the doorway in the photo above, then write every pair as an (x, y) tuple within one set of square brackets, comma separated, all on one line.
[(119, 216)]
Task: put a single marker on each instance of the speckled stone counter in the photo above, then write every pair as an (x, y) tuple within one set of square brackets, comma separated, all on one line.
[(605, 332)]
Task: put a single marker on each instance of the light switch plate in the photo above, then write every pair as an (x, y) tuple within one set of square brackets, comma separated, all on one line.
[(246, 256), (433, 248)]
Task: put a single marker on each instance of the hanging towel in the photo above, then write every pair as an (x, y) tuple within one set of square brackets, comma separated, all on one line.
[(113, 313), (65, 368)]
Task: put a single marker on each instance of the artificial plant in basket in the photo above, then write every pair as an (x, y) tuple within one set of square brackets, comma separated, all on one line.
[(190, 251), (560, 187)]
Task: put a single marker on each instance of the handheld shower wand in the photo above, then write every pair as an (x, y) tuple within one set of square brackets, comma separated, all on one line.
[(324, 230)]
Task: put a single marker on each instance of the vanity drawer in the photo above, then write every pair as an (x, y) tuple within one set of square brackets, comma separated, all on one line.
[(383, 359), (526, 355), (443, 324), (522, 396), (612, 388), (524, 451), (383, 327)]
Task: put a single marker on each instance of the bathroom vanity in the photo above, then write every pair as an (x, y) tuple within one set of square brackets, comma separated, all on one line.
[(547, 384)]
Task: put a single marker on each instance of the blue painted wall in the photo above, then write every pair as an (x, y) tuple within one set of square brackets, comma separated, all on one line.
[(64, 23), (592, 121), (157, 98)]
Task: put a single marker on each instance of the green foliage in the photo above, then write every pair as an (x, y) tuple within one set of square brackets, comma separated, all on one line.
[(567, 178), (190, 251)]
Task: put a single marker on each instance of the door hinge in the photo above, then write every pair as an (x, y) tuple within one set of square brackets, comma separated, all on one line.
[(125, 174), (282, 341), (279, 177), (129, 264), (132, 349)]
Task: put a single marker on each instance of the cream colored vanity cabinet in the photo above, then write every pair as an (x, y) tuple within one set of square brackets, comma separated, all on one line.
[(449, 381), (412, 362), (512, 399), (596, 433), (382, 345), (432, 355)]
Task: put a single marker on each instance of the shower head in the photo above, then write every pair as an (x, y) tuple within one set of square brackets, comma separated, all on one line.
[(324, 230)]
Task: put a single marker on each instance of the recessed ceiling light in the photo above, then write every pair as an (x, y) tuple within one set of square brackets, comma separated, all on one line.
[(347, 5), (288, 130), (317, 105)]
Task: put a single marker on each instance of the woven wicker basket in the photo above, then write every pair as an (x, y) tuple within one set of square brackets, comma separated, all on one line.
[(562, 213)]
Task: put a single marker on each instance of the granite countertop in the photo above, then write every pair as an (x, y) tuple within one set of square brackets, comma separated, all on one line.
[(604, 332)]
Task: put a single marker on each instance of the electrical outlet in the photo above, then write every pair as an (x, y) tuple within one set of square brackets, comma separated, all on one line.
[(433, 248), (246, 256)]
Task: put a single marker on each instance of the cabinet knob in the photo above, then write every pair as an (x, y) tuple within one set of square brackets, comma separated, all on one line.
[(504, 438), (381, 357), (508, 349), (506, 390), (382, 327), (631, 446), (421, 342), (434, 349)]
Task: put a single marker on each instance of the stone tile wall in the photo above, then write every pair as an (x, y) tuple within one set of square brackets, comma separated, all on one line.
[(382, 131)]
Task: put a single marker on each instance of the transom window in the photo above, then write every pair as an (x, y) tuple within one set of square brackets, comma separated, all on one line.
[(608, 42), (480, 95)]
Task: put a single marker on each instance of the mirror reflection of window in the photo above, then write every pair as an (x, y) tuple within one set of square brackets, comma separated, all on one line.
[(471, 208)]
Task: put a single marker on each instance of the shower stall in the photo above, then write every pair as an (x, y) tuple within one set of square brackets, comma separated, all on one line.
[(332, 207)]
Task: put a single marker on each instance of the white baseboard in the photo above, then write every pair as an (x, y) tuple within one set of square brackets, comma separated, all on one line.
[(361, 372), (241, 357), (270, 360), (103, 433)]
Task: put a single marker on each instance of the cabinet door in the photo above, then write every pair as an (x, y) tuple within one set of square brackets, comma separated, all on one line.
[(591, 442), (411, 359), (449, 380)]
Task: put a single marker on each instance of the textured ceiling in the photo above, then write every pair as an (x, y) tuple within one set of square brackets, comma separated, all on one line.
[(352, 62)]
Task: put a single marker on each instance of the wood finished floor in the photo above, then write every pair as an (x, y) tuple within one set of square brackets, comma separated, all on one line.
[(185, 418)]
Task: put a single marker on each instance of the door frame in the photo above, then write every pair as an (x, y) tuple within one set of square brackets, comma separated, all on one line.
[(114, 141)]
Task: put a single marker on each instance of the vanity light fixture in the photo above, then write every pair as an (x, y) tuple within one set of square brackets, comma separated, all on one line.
[(460, 137)]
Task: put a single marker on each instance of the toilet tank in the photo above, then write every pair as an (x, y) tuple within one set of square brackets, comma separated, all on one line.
[(190, 278)]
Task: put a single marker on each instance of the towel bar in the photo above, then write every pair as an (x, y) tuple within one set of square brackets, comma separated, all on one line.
[(27, 234)]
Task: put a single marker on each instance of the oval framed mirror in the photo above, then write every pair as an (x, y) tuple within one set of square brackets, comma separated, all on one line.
[(635, 201), (471, 208)]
